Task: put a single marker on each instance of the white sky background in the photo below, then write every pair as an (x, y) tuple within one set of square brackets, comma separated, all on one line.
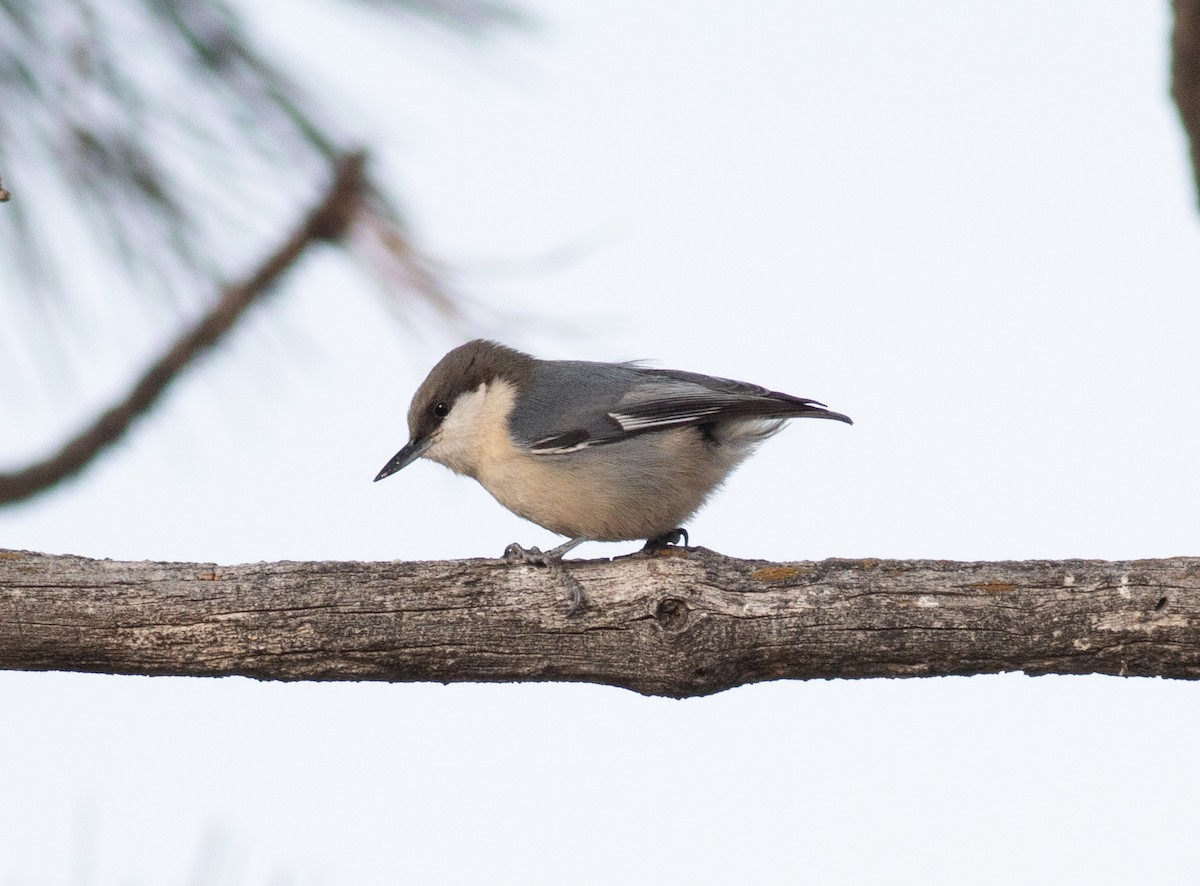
[(968, 226)]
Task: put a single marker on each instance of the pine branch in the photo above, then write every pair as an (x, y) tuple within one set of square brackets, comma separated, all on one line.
[(1185, 74), (327, 221), (677, 624)]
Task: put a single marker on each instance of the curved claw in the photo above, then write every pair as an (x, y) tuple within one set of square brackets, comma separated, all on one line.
[(514, 553), (666, 540)]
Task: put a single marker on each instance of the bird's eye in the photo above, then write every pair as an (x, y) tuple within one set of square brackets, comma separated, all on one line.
[(441, 410)]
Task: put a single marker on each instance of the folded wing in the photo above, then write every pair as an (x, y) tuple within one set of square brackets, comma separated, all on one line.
[(595, 404)]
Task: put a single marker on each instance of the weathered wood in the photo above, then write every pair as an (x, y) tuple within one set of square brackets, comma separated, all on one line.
[(676, 624)]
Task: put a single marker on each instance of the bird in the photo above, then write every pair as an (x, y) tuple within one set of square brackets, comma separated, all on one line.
[(588, 450)]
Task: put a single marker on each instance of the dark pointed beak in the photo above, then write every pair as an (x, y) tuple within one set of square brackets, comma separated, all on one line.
[(413, 450)]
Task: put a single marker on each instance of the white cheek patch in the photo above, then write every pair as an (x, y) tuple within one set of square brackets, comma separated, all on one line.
[(465, 414), (454, 441), (475, 429)]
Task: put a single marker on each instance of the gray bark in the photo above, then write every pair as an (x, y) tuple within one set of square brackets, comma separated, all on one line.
[(675, 624)]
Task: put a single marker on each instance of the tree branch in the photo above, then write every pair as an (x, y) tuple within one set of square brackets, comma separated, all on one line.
[(1185, 73), (676, 624), (327, 221)]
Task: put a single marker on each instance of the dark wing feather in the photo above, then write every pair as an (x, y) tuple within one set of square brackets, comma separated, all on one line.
[(565, 442), (572, 405)]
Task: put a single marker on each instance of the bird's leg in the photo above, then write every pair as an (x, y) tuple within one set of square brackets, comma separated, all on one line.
[(535, 556), (552, 560), (565, 548), (671, 537)]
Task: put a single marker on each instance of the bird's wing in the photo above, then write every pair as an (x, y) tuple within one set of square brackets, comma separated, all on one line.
[(591, 404)]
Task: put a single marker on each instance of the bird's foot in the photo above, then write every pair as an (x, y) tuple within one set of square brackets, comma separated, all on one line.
[(552, 560), (666, 540), (534, 556)]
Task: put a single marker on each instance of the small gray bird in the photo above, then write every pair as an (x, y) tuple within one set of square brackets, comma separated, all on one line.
[(592, 451)]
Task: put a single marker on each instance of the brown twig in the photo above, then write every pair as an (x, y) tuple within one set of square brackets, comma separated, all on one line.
[(1185, 73), (326, 221)]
